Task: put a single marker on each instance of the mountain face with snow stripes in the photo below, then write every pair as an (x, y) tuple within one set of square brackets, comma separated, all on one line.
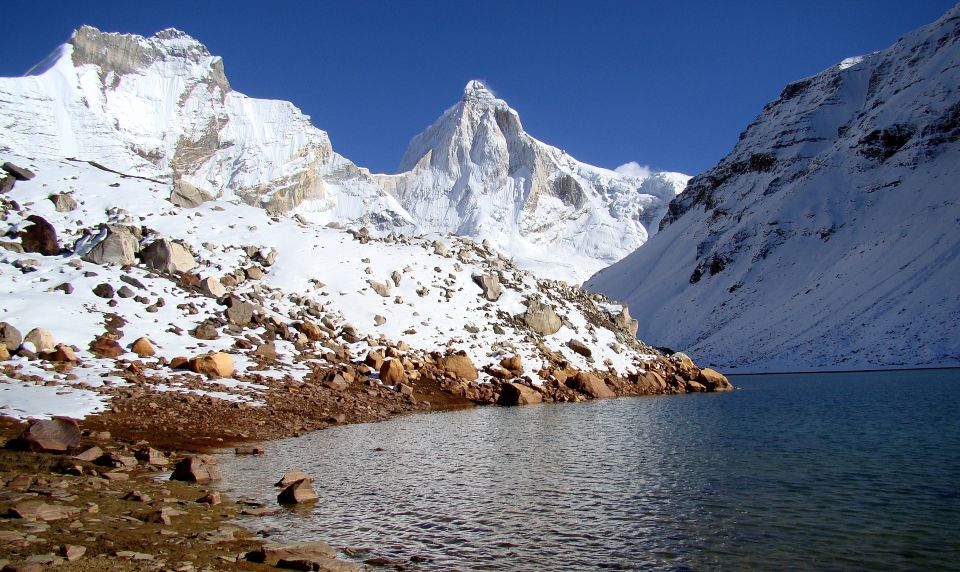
[(162, 108), (828, 237)]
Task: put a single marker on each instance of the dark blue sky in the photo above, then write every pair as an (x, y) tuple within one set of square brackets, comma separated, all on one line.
[(668, 84)]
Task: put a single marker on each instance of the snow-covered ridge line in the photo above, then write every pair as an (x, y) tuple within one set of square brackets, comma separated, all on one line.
[(827, 238)]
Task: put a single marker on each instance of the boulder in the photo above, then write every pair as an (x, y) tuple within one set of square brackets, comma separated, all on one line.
[(382, 288), (542, 319), (143, 348), (320, 564), (168, 256), (63, 202), (513, 363), (196, 469), (152, 456), (7, 183), (106, 346), (118, 247), (218, 364), (627, 323), (19, 173), (291, 477), (90, 455), (271, 554), (57, 435), (490, 285), (591, 385), (10, 336), (103, 290), (655, 381), (186, 195), (312, 331), (38, 510), (253, 273), (298, 492), (580, 347), (695, 387), (440, 248), (212, 287), (40, 237), (684, 359), (265, 256), (714, 380), (266, 351), (62, 353), (392, 372), (72, 552), (207, 330), (4, 353), (240, 314), (518, 394), (11, 246), (459, 365), (41, 339)]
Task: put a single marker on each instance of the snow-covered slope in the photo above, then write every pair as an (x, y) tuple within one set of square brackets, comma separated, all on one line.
[(829, 238), (475, 172), (161, 108)]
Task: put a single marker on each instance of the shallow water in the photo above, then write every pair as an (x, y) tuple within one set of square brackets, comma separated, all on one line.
[(800, 471)]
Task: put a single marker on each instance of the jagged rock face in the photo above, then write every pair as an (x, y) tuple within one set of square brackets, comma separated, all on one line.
[(162, 108), (475, 172), (827, 238)]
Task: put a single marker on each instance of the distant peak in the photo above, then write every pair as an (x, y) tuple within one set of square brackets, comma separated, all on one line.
[(475, 90)]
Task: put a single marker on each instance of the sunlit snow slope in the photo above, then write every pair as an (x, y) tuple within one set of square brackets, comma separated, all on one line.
[(475, 172), (161, 107), (829, 238)]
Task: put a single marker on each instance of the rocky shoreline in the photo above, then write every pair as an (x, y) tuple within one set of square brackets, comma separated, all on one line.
[(113, 509)]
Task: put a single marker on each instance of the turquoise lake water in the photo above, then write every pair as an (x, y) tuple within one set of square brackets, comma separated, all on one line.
[(849, 471)]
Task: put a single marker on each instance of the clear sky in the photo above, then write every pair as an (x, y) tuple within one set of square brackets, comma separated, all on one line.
[(669, 84)]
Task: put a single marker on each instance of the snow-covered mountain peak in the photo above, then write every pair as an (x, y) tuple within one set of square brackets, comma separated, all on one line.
[(476, 90), (475, 172)]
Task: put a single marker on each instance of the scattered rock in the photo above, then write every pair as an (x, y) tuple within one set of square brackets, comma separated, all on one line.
[(106, 346), (41, 339), (212, 287), (240, 313), (513, 363), (382, 289), (125, 292), (459, 365), (490, 285), (152, 456), (103, 290), (265, 256), (580, 347), (62, 353), (440, 248), (196, 469), (291, 477), (218, 363), (253, 273), (212, 498), (207, 330), (714, 380), (299, 492), (518, 394), (185, 195), (271, 554), (72, 552), (40, 237), (627, 323), (143, 348), (168, 256), (57, 435), (249, 450), (63, 202), (10, 336), (542, 318), (591, 385), (39, 510), (392, 372), (19, 173), (119, 247)]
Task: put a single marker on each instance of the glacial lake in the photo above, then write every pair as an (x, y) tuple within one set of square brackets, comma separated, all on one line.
[(849, 471)]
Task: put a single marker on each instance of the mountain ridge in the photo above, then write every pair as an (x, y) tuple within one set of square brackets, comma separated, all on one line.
[(826, 239)]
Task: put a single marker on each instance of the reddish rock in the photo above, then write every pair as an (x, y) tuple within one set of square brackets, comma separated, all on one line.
[(40, 237), (57, 435), (312, 331), (714, 380), (459, 365), (106, 346), (580, 347), (218, 364), (513, 363), (143, 348), (90, 455), (392, 372), (591, 385), (196, 469), (299, 492), (271, 554), (518, 394), (291, 477)]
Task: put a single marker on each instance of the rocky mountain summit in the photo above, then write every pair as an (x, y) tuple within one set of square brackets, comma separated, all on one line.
[(475, 172), (162, 108), (827, 238), (183, 310)]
